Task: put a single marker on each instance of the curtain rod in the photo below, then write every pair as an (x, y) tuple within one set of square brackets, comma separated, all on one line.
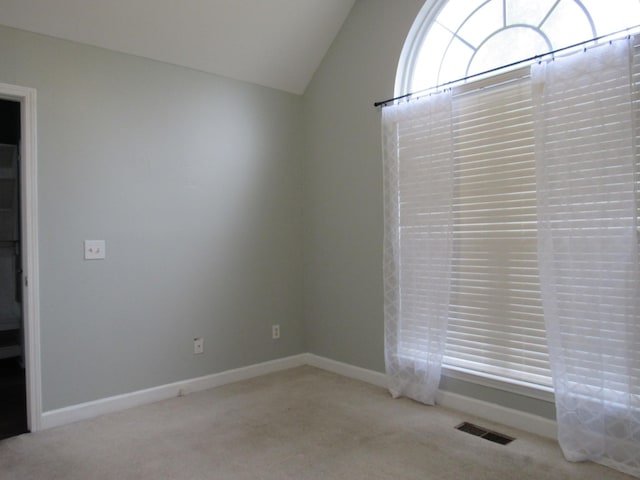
[(538, 57)]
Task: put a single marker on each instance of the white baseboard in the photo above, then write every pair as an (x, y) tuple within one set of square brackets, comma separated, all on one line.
[(496, 413), (499, 414), (83, 411), (347, 370)]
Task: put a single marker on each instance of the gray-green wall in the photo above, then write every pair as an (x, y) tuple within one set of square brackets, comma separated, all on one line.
[(194, 181), (343, 226), (226, 208)]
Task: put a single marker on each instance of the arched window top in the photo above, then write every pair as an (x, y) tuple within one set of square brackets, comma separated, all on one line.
[(456, 38)]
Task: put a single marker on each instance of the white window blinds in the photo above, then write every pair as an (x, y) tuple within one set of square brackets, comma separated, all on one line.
[(496, 324)]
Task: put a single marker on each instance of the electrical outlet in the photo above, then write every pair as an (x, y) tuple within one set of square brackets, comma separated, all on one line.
[(198, 345), (275, 332), (94, 250)]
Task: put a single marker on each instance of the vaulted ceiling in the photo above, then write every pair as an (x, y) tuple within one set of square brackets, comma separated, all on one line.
[(275, 43)]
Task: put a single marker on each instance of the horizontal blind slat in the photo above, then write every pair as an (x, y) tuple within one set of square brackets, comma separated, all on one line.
[(495, 315)]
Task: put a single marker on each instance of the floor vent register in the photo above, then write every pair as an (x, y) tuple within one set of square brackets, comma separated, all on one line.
[(492, 436)]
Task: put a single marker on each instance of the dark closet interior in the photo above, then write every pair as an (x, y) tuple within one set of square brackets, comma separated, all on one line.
[(12, 374)]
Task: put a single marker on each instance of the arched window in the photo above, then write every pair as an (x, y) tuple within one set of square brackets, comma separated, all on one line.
[(495, 317), (457, 38)]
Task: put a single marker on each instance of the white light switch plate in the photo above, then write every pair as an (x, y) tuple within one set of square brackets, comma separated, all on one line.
[(94, 250)]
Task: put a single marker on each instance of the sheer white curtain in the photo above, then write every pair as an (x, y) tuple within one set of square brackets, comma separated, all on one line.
[(588, 250), (418, 242)]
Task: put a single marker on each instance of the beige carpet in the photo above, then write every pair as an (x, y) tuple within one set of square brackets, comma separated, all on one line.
[(303, 423)]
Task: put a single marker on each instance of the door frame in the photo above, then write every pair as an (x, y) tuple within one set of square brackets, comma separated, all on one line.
[(29, 247)]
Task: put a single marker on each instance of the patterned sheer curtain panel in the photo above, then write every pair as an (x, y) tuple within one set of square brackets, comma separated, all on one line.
[(418, 189), (584, 108)]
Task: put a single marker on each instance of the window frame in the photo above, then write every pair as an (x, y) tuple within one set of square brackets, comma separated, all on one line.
[(403, 81)]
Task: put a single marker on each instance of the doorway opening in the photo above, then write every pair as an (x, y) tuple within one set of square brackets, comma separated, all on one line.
[(13, 396)]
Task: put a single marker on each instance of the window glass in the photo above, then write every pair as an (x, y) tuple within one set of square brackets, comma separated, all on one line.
[(528, 11), (506, 47), (482, 24), (467, 37)]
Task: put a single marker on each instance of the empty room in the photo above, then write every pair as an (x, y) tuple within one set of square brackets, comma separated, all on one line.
[(319, 239)]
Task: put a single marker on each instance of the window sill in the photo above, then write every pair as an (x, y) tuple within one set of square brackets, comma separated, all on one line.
[(531, 390)]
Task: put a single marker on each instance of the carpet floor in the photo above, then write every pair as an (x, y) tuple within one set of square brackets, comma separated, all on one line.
[(302, 423)]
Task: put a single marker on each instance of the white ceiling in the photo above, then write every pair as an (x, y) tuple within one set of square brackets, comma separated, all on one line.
[(275, 43)]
